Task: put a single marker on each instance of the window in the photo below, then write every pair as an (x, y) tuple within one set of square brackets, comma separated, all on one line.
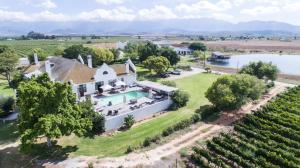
[(82, 88), (105, 73), (98, 85), (122, 79)]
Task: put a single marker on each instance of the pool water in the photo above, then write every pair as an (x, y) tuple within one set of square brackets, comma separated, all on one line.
[(119, 98)]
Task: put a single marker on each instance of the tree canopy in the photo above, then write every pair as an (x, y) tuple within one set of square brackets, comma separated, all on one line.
[(8, 62), (73, 51), (261, 70), (147, 50), (131, 51), (198, 46), (42, 55), (170, 54), (159, 64), (49, 109), (232, 91), (102, 55)]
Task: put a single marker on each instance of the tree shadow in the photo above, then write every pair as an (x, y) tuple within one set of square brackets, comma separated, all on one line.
[(8, 132), (208, 113), (55, 152), (11, 157)]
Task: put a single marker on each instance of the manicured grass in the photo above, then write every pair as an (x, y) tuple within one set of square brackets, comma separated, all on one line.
[(5, 90), (117, 144)]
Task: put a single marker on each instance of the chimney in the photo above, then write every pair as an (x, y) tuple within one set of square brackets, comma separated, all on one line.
[(127, 67), (48, 67), (89, 58), (36, 59), (80, 59)]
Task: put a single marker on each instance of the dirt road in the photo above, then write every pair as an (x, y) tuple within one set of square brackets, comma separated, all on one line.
[(148, 158)]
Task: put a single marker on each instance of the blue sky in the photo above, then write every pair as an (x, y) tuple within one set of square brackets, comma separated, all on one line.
[(129, 10)]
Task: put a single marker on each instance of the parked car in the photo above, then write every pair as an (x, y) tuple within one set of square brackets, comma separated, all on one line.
[(176, 72), (164, 75)]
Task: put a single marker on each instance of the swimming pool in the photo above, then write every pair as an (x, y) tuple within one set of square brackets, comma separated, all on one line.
[(119, 98)]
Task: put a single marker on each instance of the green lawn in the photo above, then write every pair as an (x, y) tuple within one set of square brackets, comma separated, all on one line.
[(5, 90), (117, 144)]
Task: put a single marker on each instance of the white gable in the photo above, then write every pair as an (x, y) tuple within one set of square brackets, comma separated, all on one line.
[(105, 73)]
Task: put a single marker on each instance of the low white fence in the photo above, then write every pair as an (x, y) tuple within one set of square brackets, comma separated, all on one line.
[(139, 114)]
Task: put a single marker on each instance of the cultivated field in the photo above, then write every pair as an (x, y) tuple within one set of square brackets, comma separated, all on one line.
[(267, 138), (255, 46)]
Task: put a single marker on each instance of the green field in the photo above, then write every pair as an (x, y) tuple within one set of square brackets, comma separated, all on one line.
[(117, 144), (25, 47), (5, 90)]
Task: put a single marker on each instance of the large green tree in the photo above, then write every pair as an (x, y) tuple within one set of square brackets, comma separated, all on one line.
[(48, 109), (102, 55), (198, 46), (170, 54), (73, 51), (159, 64), (131, 51), (232, 91), (261, 70), (8, 62), (147, 50)]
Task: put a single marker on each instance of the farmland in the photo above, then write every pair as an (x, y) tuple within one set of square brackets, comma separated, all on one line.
[(267, 138)]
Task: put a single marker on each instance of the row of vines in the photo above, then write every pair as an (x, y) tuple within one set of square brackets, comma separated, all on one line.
[(268, 138)]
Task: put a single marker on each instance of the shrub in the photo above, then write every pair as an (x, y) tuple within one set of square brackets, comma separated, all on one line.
[(196, 118), (98, 123), (180, 99), (232, 91), (147, 142), (129, 149), (129, 121), (167, 131), (207, 111), (6, 105), (155, 139), (169, 83)]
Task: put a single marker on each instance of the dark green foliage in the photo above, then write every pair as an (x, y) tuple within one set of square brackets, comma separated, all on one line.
[(73, 51), (147, 50), (232, 91), (198, 46), (169, 83), (129, 121), (6, 105), (267, 138), (49, 109), (8, 62), (98, 120), (129, 150), (42, 55), (180, 99), (208, 111), (167, 131), (261, 70), (170, 54), (147, 142)]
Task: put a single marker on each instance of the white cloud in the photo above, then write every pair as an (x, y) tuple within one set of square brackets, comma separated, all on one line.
[(157, 13), (261, 10), (45, 4), (117, 14), (107, 2), (13, 16), (204, 6)]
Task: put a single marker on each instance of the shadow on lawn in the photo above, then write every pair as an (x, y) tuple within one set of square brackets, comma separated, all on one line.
[(55, 152), (208, 113)]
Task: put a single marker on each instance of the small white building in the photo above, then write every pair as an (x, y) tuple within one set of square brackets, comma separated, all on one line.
[(23, 62), (181, 49), (84, 79)]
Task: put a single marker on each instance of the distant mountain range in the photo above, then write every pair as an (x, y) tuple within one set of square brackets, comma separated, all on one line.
[(203, 26)]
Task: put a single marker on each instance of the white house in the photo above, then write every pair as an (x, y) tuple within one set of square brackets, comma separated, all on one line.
[(84, 79), (181, 49)]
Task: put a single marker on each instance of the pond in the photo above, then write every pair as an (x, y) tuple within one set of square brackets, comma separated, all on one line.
[(287, 64)]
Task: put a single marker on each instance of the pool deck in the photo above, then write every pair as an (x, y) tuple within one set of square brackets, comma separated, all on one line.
[(121, 107)]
